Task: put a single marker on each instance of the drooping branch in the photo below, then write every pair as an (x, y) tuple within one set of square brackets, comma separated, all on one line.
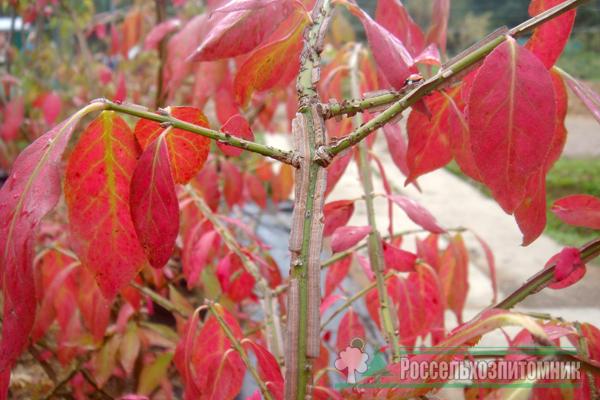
[(543, 278), (444, 76), (168, 120)]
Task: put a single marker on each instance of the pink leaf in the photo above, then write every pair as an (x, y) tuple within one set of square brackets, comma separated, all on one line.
[(394, 17), (396, 146), (239, 127), (578, 210), (569, 268), (159, 32), (350, 328), (347, 236), (154, 205), (417, 213), (240, 26), (491, 265), (13, 115), (439, 24), (393, 59), (585, 93)]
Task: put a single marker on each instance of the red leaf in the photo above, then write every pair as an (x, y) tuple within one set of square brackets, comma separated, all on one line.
[(268, 368), (439, 24), (283, 183), (454, 271), (585, 93), (428, 141), (208, 365), (239, 26), (13, 114), (398, 259), (347, 236), (187, 151), (121, 92), (336, 273), (233, 183), (336, 170), (239, 127), (418, 299), (428, 250), (97, 189), (256, 190), (392, 15), (154, 205), (159, 32), (549, 39), (31, 191), (94, 307), (337, 214), (392, 57), (458, 132), (396, 146), (531, 213), (569, 268), (417, 213), (199, 257), (491, 265), (275, 63), (578, 210), (235, 281), (350, 328), (512, 119), (51, 104)]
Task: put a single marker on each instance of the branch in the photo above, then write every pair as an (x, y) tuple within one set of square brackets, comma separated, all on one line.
[(273, 330), (240, 350), (352, 299), (444, 76), (543, 278), (165, 118), (160, 300), (374, 239)]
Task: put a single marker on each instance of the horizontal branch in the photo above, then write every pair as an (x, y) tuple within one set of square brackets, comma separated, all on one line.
[(444, 76), (543, 278), (350, 107), (164, 118)]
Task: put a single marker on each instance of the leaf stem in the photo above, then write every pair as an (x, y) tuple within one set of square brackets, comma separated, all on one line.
[(374, 240), (142, 112), (240, 350), (353, 298), (160, 300), (444, 76)]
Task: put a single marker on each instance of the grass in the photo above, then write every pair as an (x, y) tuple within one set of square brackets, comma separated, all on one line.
[(568, 176)]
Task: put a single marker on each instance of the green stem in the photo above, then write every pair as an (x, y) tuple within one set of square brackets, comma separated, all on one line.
[(352, 299), (445, 75), (543, 278), (165, 118), (240, 350), (306, 239), (374, 240), (160, 300), (268, 304)]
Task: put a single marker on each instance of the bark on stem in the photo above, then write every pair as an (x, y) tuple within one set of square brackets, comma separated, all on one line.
[(306, 239)]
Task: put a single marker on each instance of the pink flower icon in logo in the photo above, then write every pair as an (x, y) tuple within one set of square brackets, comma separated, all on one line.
[(353, 359)]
